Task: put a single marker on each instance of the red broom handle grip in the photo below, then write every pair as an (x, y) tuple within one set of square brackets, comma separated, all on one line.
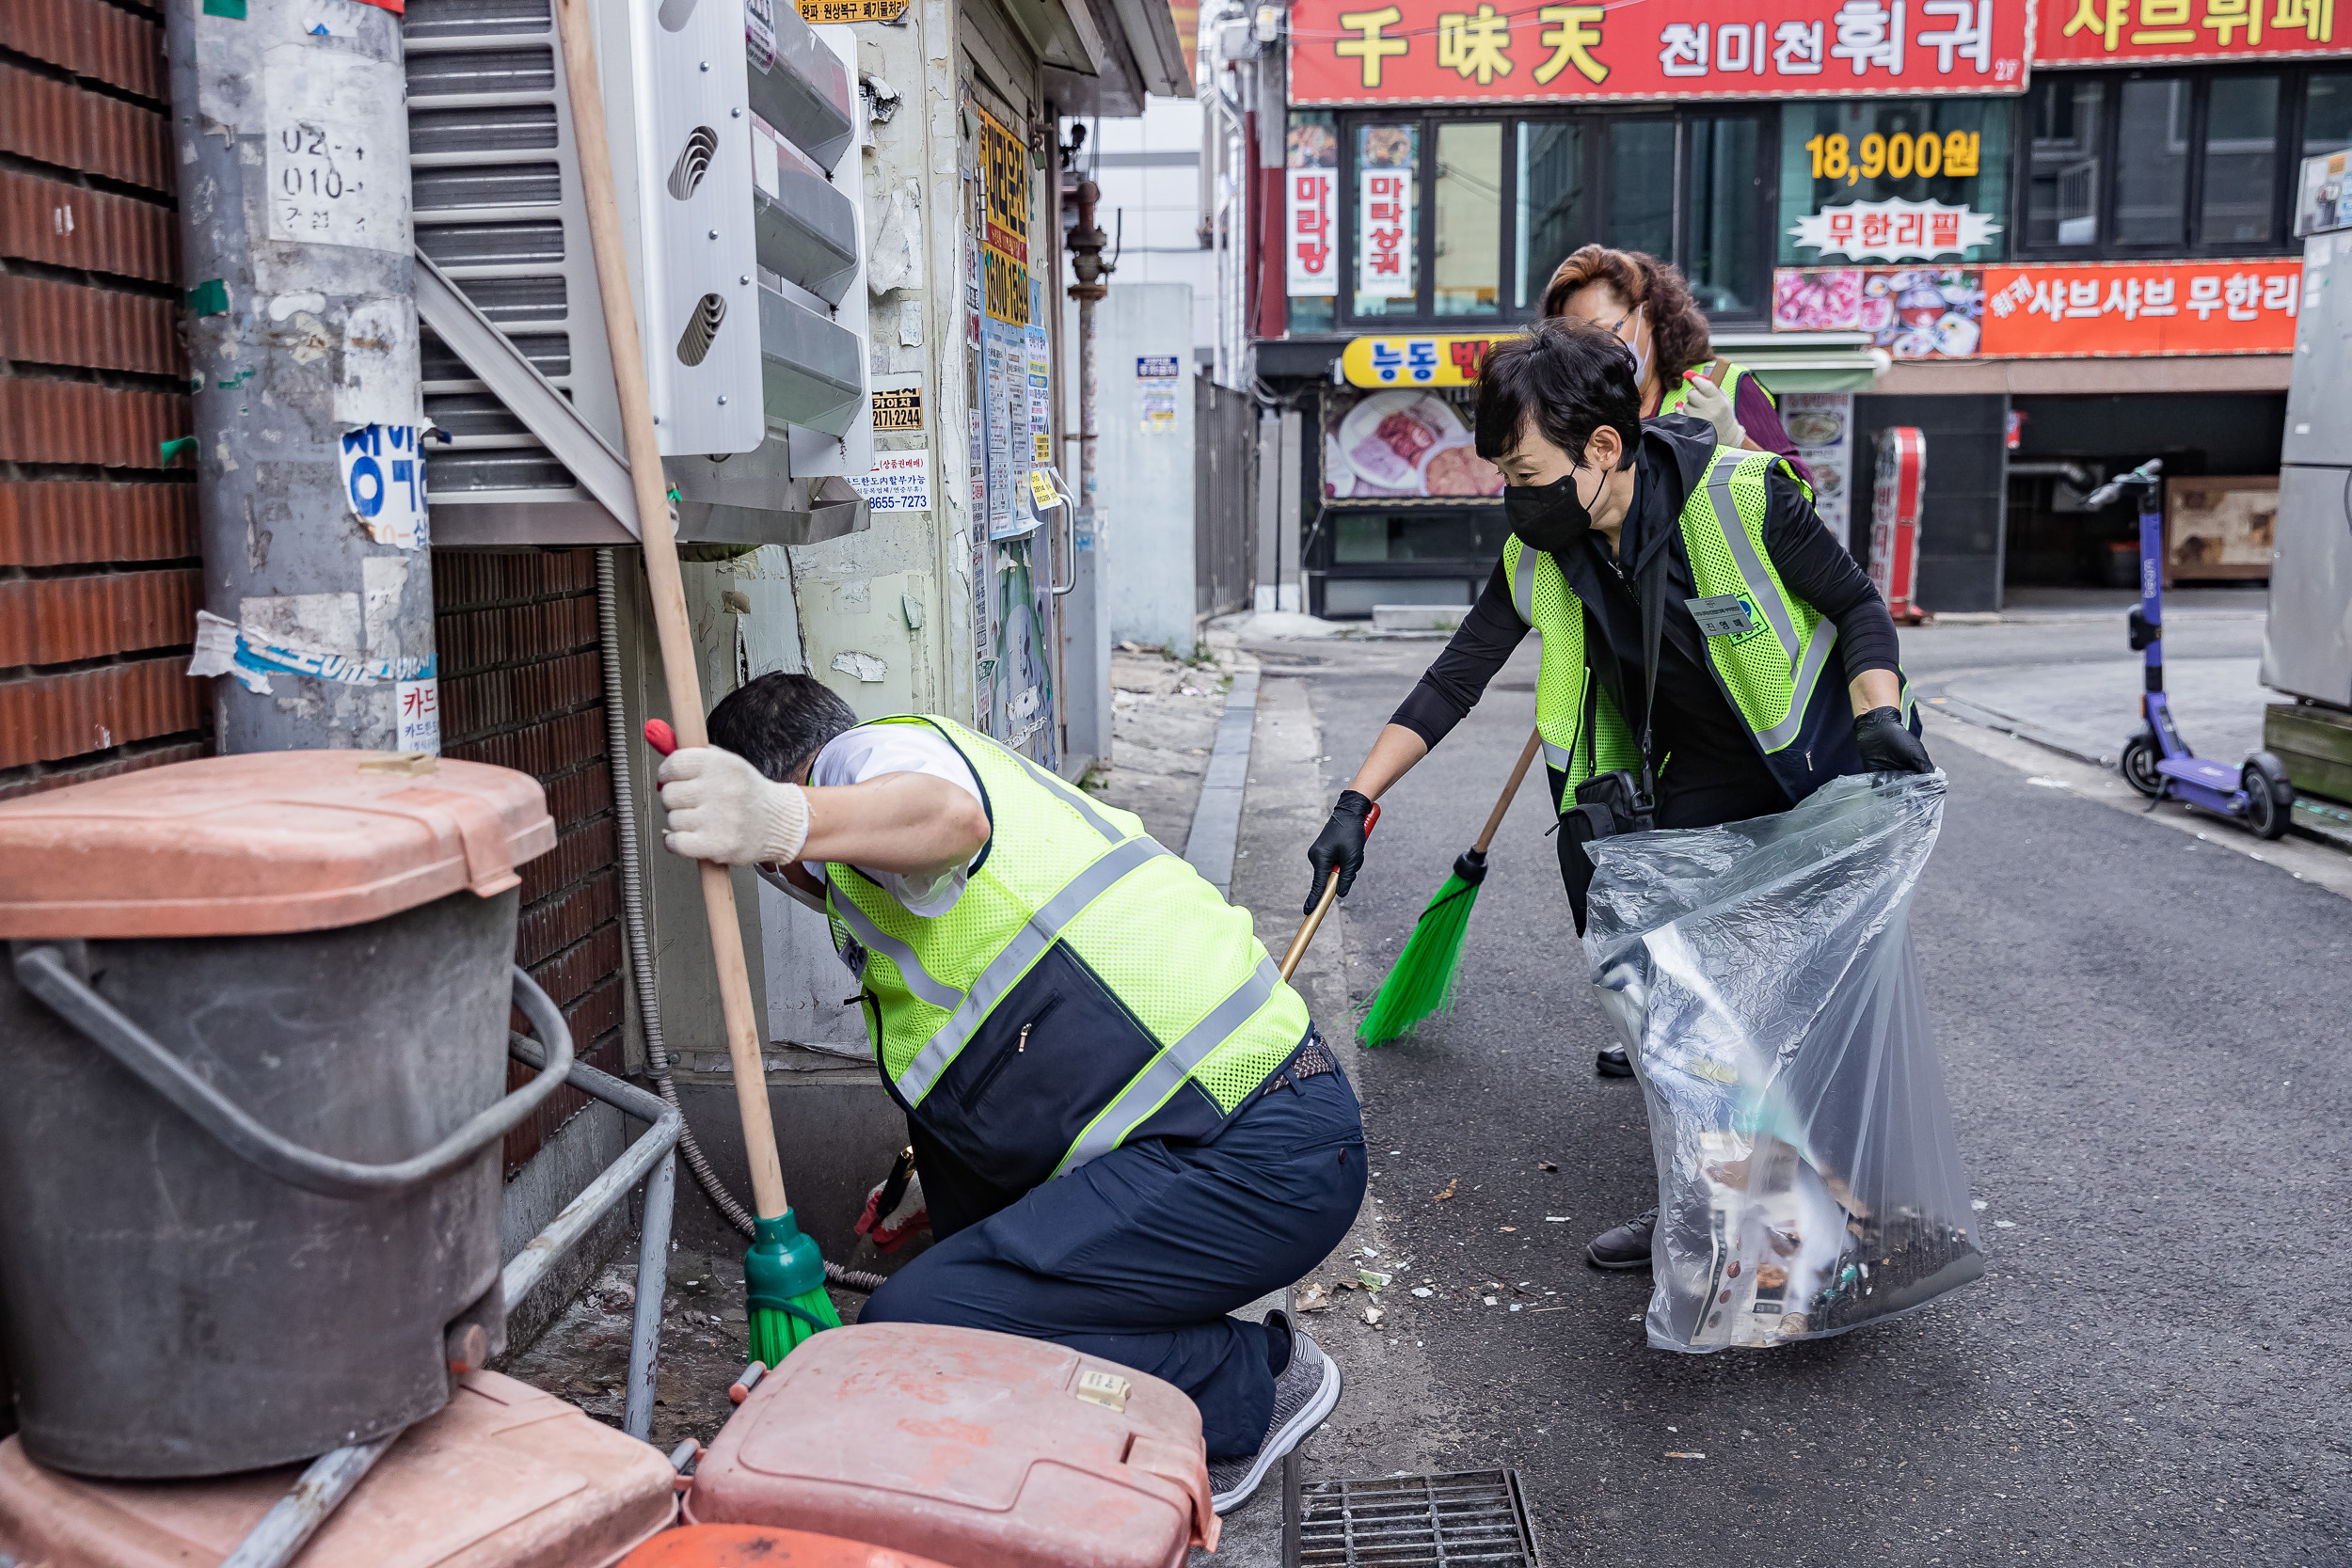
[(1510, 790)]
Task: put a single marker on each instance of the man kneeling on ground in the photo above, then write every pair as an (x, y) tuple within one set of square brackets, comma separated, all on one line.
[(1124, 1124)]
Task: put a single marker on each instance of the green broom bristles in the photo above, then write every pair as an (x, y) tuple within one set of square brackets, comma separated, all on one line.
[(1420, 982), (784, 1277)]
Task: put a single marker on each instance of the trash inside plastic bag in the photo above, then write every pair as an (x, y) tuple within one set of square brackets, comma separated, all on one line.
[(1763, 979)]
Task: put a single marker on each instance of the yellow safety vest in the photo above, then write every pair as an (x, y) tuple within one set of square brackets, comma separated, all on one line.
[(1087, 988)]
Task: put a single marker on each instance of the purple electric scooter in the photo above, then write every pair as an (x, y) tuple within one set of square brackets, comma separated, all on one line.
[(2157, 762)]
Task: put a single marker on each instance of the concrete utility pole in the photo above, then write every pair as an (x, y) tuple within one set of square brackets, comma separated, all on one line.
[(1085, 245), (291, 133)]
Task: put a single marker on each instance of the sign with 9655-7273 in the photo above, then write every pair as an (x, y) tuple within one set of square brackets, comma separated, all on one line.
[(330, 182)]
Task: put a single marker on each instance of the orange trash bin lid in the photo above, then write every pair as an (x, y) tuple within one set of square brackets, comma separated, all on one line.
[(762, 1546), (264, 844)]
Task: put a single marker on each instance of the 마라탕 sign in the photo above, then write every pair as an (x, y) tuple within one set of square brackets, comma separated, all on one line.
[(1457, 52)]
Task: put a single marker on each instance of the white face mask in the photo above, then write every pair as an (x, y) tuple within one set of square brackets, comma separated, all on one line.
[(1640, 354)]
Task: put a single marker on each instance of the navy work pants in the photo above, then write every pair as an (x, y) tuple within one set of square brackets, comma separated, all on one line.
[(1136, 1256)]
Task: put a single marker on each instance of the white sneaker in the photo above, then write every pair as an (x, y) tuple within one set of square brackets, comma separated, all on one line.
[(1305, 1392)]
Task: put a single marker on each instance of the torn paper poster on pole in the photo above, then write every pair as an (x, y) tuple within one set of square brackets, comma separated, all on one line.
[(224, 648), (383, 482)]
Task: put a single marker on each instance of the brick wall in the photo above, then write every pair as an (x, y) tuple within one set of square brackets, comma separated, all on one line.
[(522, 686), (99, 585)]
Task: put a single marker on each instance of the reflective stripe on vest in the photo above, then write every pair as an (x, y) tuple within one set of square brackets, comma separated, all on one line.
[(1145, 1092), (1807, 662), (1557, 758), (1043, 930), (1073, 905), (1711, 509)]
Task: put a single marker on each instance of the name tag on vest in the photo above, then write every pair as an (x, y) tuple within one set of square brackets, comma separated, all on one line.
[(1722, 615)]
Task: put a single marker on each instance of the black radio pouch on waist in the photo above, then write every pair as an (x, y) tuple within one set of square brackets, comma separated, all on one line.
[(1619, 801)]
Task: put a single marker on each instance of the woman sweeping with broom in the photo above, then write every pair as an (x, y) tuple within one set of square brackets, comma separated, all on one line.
[(1700, 629)]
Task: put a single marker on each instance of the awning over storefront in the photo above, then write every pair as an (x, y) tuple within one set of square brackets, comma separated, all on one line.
[(1807, 361)]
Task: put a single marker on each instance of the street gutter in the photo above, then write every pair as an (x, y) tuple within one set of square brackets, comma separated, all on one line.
[(1217, 818)]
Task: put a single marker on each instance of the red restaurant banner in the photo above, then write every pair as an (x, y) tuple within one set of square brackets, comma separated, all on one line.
[(2135, 32), (2141, 308), (1429, 52), (2049, 310)]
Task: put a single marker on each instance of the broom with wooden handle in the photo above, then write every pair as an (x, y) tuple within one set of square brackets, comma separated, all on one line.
[(1422, 980), (784, 1273)]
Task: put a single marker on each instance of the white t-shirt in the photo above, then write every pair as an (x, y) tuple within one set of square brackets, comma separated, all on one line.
[(872, 750)]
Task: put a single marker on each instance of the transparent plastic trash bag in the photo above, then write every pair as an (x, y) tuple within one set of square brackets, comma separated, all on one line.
[(1763, 979)]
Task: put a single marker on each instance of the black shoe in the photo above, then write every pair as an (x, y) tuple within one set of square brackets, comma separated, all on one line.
[(1626, 1248), (1614, 1063)]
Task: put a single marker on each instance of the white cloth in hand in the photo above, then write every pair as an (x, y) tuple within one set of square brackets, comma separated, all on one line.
[(1705, 399), (723, 808)]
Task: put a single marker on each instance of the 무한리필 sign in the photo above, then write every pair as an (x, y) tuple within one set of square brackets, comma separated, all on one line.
[(1456, 52)]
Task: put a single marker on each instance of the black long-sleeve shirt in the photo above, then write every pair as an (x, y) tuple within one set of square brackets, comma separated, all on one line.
[(1716, 774)]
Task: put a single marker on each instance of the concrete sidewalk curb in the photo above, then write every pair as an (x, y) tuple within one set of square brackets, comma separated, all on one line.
[(1217, 818), (1994, 718)]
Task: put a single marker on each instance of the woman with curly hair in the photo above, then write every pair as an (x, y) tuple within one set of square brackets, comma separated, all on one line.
[(1647, 305)]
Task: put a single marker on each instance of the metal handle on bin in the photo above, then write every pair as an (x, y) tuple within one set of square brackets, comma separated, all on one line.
[(45, 972)]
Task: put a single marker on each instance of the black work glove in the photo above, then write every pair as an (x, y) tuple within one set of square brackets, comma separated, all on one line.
[(1339, 846), (1887, 744)]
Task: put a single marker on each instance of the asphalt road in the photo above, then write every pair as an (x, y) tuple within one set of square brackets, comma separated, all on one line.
[(2141, 1036)]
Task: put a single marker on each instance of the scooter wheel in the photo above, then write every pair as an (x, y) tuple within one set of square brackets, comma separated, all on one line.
[(2269, 798), (2140, 757)]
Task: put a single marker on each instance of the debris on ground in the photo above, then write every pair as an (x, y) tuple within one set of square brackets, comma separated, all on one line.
[(1450, 1188), (1310, 1298)]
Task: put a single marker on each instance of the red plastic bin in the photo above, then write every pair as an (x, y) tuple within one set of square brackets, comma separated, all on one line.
[(504, 1476), (976, 1450), (762, 1546)]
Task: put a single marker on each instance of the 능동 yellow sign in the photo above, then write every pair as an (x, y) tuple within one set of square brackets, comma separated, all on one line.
[(1417, 361)]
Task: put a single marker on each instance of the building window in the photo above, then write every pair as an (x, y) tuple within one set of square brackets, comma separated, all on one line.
[(1552, 218), (2062, 168), (2188, 163), (2151, 168), (1311, 218), (2241, 160), (2327, 112), (1725, 247), (1894, 180), (1388, 269), (1467, 238), (1691, 189)]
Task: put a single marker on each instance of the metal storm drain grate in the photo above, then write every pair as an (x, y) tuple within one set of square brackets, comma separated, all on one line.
[(1471, 1517)]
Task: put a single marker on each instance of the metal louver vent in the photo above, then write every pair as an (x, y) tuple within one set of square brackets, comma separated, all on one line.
[(694, 161), (702, 329), (490, 151)]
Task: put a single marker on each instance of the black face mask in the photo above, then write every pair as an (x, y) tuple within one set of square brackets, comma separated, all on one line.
[(1550, 517)]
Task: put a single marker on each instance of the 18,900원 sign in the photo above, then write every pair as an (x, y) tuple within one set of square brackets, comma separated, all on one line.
[(1457, 52)]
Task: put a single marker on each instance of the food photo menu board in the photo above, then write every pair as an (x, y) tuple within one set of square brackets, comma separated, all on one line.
[(1402, 445)]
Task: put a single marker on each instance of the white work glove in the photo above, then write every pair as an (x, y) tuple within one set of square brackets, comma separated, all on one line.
[(722, 809), (1705, 399)]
